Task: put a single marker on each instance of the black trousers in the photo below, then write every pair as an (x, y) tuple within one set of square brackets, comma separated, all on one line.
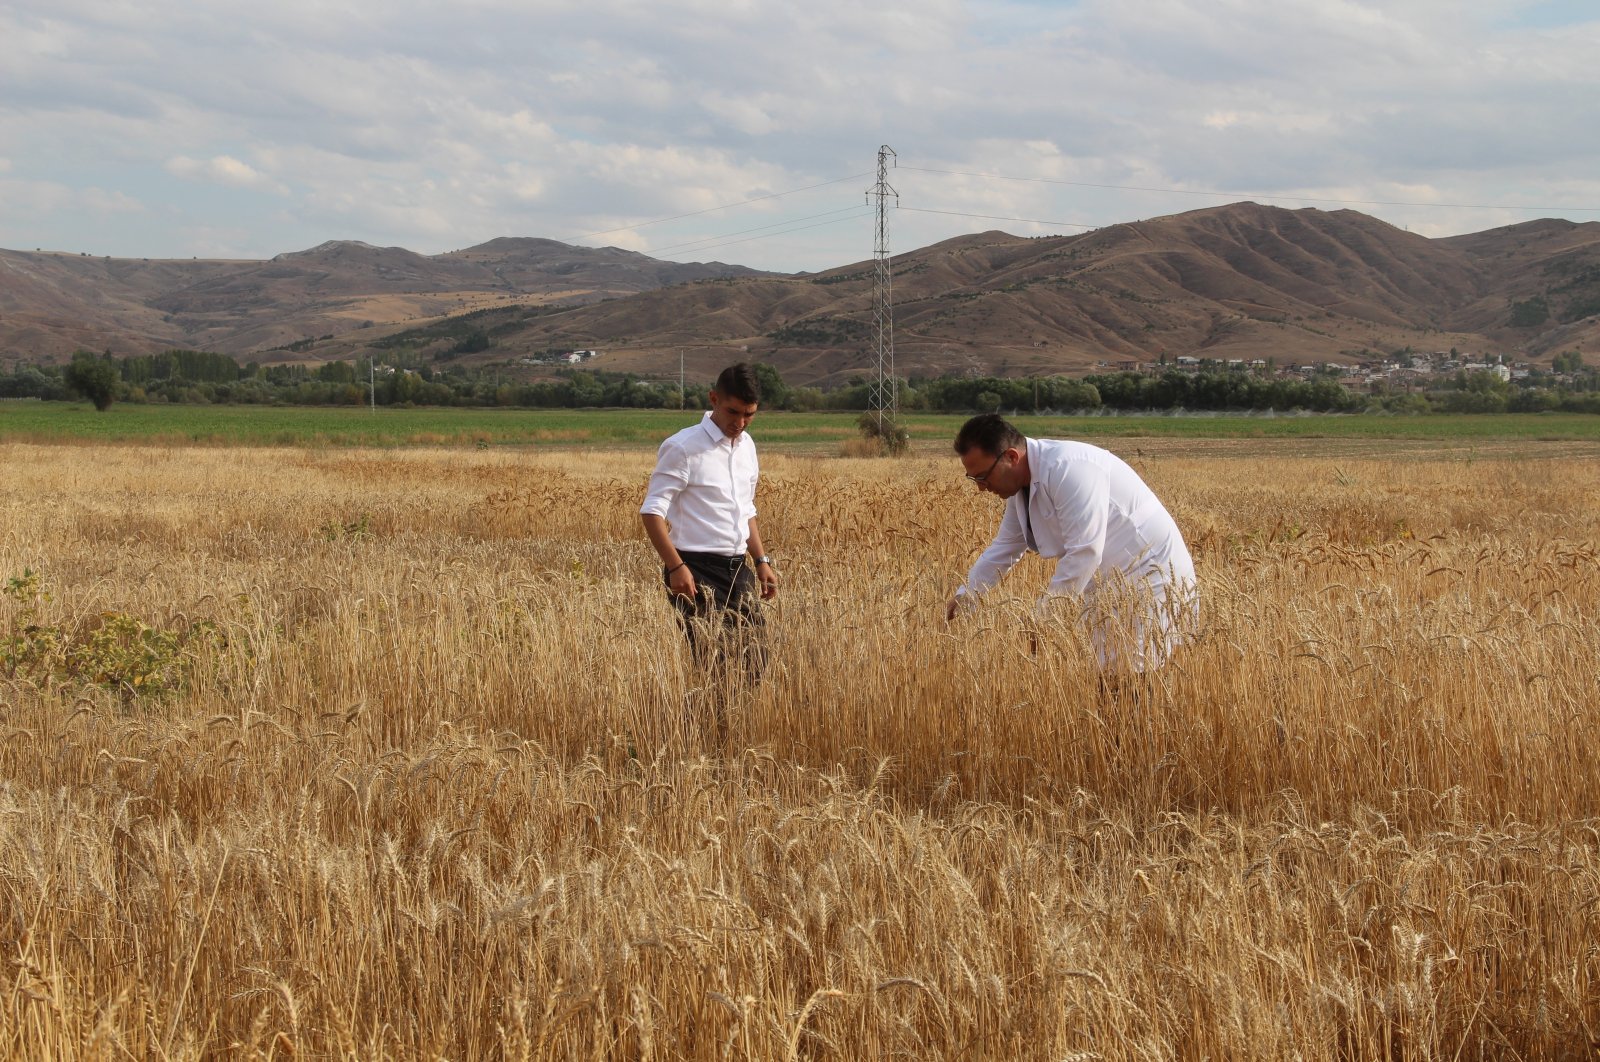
[(723, 621)]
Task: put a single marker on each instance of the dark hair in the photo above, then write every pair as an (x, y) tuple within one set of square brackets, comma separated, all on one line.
[(739, 381), (989, 432)]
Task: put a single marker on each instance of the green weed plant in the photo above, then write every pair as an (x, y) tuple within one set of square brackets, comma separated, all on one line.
[(115, 650)]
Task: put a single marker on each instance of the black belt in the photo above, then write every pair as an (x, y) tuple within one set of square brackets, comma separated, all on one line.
[(713, 558)]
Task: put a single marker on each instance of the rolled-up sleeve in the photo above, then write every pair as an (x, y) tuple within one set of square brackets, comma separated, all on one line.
[(755, 479), (1010, 543), (1082, 498), (671, 475)]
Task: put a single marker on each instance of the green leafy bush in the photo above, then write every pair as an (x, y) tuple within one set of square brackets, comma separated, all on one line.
[(113, 650)]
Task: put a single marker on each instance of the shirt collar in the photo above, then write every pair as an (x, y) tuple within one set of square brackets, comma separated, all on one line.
[(715, 432)]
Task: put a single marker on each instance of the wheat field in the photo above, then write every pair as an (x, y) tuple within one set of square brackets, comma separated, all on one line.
[(397, 754)]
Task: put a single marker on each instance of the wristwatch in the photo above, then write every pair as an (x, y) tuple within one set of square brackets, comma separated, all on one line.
[(763, 559)]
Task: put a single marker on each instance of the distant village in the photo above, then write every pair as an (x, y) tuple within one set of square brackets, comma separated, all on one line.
[(1377, 373), (1373, 374), (559, 357)]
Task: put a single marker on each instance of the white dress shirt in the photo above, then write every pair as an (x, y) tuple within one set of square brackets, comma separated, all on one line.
[(704, 485), (1085, 506)]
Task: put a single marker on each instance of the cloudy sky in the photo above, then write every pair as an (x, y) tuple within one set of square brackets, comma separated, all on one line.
[(747, 130)]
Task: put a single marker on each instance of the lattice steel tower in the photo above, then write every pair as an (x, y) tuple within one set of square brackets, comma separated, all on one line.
[(884, 399)]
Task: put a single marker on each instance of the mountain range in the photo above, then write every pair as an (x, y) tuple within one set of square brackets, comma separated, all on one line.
[(1237, 281), (52, 304)]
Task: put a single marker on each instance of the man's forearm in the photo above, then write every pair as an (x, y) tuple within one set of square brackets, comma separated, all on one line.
[(765, 573), (655, 528), (990, 567), (753, 542)]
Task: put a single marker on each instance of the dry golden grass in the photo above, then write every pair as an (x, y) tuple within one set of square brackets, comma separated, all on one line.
[(438, 783)]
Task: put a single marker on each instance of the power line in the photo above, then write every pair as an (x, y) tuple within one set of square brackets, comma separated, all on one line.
[(777, 224), (712, 210), (997, 217), (1246, 195), (781, 232)]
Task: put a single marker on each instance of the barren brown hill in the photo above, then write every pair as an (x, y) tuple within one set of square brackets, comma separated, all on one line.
[(1548, 268), (52, 304), (1240, 281)]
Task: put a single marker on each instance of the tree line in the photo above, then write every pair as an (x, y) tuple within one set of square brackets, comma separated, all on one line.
[(186, 376)]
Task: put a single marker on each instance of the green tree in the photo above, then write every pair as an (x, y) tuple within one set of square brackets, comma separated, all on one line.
[(1530, 313), (774, 392), (805, 399), (341, 372), (471, 343), (586, 389), (94, 378)]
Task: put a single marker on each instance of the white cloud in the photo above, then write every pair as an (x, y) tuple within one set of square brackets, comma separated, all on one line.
[(435, 127), (22, 197), (108, 201), (741, 113), (223, 169)]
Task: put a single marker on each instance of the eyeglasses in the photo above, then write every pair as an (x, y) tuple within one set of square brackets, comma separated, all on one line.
[(983, 477)]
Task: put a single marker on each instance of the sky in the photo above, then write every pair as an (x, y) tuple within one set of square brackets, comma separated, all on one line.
[(748, 131)]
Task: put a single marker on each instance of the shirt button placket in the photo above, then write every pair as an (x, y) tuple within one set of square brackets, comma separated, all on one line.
[(733, 492)]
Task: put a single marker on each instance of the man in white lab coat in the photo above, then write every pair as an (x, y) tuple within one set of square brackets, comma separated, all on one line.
[(1119, 553)]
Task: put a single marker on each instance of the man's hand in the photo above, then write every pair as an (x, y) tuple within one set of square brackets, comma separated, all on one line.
[(769, 581), (958, 604), (681, 581)]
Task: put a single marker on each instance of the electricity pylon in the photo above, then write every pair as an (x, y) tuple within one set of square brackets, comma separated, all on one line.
[(884, 398)]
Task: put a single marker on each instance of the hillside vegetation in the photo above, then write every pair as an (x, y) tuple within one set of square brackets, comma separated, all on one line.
[(1241, 281), (1236, 282)]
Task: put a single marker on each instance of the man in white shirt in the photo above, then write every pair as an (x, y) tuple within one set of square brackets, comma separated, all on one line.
[(699, 513), (1120, 553)]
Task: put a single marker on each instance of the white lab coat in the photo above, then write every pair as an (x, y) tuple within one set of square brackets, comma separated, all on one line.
[(1118, 551)]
